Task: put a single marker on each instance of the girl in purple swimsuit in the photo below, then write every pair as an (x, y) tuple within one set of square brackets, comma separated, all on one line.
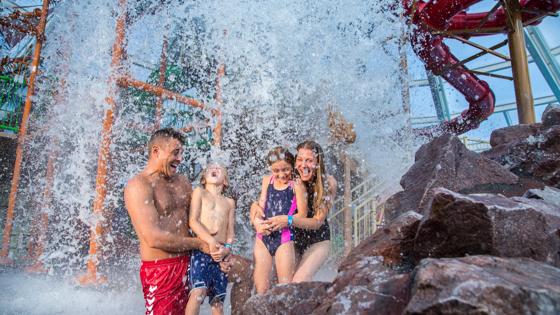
[(280, 195)]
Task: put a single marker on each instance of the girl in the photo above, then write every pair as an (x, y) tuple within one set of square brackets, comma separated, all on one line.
[(312, 232), (280, 195)]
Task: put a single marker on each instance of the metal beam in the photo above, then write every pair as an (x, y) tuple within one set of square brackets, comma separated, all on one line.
[(546, 62), (492, 67), (506, 107)]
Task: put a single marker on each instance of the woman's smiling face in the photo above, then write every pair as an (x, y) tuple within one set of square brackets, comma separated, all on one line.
[(306, 163)]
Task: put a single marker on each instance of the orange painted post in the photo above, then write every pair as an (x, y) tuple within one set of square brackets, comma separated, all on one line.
[(161, 82), (217, 132), (4, 259), (91, 276), (126, 81)]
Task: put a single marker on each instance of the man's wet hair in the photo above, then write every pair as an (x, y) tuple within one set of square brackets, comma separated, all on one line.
[(165, 134)]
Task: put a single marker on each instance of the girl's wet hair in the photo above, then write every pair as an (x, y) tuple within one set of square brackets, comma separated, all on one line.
[(280, 154)]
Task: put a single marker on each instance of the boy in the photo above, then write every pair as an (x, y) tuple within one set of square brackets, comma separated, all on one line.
[(212, 219)]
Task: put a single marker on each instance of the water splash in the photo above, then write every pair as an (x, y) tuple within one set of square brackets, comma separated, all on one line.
[(286, 63)]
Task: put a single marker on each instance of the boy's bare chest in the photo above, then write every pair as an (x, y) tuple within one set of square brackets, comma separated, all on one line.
[(214, 205)]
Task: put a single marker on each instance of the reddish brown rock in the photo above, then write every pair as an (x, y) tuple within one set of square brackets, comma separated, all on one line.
[(241, 275), (485, 285), (368, 278), (369, 287), (394, 243), (536, 157), (459, 225), (293, 298), (445, 162), (514, 133), (551, 115)]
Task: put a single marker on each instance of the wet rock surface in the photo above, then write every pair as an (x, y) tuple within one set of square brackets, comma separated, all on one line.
[(295, 298), (530, 151), (394, 243), (485, 285), (445, 162), (470, 234), (459, 225)]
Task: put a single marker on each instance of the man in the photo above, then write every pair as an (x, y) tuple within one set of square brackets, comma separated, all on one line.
[(158, 201)]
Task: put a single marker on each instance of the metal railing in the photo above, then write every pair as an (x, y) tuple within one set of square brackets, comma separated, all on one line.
[(12, 97)]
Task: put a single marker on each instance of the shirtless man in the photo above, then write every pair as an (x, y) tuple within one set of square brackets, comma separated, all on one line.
[(212, 219), (158, 202)]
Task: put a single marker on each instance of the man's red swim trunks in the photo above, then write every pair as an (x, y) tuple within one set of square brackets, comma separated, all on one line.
[(164, 285)]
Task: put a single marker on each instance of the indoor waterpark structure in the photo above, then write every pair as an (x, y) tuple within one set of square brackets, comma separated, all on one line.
[(440, 122)]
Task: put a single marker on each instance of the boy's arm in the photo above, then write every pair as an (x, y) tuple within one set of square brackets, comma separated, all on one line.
[(194, 220), (139, 202)]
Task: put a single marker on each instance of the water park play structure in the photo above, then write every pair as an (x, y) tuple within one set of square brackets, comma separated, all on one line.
[(432, 22)]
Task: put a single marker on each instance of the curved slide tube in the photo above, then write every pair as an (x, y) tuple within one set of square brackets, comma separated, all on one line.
[(450, 15)]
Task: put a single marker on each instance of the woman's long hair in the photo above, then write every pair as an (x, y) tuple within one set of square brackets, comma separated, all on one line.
[(318, 182)]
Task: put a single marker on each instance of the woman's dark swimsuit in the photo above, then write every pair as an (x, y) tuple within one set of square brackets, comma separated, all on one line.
[(304, 238), (278, 202)]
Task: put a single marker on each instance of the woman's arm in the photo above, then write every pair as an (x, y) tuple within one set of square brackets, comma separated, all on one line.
[(318, 219)]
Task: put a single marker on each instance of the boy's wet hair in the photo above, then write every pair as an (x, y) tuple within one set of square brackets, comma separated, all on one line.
[(165, 134), (280, 154)]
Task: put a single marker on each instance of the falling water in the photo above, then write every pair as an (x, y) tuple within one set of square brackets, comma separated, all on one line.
[(287, 63)]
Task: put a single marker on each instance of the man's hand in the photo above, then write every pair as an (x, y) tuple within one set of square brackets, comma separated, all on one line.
[(203, 247)]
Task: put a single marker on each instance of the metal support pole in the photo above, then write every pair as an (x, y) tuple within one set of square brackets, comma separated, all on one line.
[(544, 59), (102, 162), (519, 64), (507, 118), (438, 95), (347, 207), (4, 259)]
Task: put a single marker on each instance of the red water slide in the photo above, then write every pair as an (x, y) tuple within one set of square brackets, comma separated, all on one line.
[(432, 18)]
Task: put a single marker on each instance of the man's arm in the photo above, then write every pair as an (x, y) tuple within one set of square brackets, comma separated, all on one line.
[(194, 220), (139, 202)]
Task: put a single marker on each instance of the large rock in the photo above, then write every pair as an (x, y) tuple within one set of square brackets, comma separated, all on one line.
[(536, 156), (445, 162), (459, 225), (514, 133), (485, 285), (393, 242), (293, 298), (369, 288)]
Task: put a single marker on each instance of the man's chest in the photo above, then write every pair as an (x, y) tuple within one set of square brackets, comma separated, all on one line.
[(170, 197)]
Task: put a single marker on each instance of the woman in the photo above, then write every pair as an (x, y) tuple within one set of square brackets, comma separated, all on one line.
[(312, 234)]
